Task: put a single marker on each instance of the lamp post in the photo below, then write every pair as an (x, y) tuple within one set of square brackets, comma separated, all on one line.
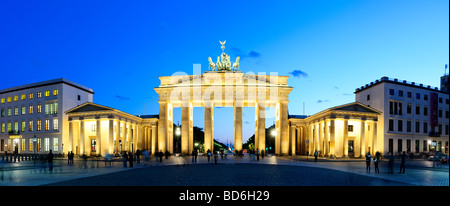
[(433, 143)]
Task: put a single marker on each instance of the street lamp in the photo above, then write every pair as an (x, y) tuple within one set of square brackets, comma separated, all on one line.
[(433, 143)]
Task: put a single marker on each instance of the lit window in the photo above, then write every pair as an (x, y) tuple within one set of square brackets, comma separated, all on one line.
[(8, 99), (46, 144), (55, 144), (23, 96), (38, 108), (16, 97), (23, 109), (30, 109), (23, 126), (16, 111), (47, 125), (38, 95), (30, 145), (30, 96), (30, 125), (3, 100), (47, 93), (38, 125), (55, 124), (55, 92)]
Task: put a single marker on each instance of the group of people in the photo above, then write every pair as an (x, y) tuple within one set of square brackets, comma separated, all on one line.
[(391, 158), (130, 157), (255, 154)]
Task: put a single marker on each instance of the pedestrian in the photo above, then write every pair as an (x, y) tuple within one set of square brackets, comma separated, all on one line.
[(130, 159), (68, 158), (257, 154), (316, 153), (262, 154), (368, 159), (161, 154), (167, 154), (215, 157), (375, 162), (208, 154), (138, 154), (125, 157), (195, 155), (391, 163), (402, 163), (50, 161)]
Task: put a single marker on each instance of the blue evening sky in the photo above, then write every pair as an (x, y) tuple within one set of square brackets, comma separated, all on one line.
[(328, 48)]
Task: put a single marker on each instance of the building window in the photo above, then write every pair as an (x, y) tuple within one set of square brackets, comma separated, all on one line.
[(47, 93), (16, 111), (350, 128), (23, 96), (425, 111), (417, 110), (417, 95), (408, 108), (30, 109), (30, 144), (400, 145), (417, 146), (425, 97), (2, 113), (424, 145), (425, 127), (30, 96), (400, 93), (23, 126), (440, 113), (417, 127), (23, 110), (408, 145), (47, 124), (391, 146), (440, 99), (3, 100), (79, 98), (408, 126), (55, 92), (38, 94), (8, 99), (9, 112), (30, 125), (409, 94), (3, 128), (16, 98), (446, 129), (391, 124), (38, 108), (38, 125), (400, 125), (47, 144), (55, 144), (55, 124)]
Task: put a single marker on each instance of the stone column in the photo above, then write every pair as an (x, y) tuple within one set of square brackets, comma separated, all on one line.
[(260, 139), (99, 136), (327, 139), (238, 111), (363, 145), (209, 124), (345, 138), (82, 143), (186, 128), (111, 136), (332, 137), (70, 143), (284, 128), (321, 142), (153, 140), (162, 127), (374, 137), (292, 141), (117, 143)]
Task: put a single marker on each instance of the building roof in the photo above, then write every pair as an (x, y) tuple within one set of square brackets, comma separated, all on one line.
[(396, 81), (46, 83)]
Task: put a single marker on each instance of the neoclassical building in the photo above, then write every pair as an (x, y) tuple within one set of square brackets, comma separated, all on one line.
[(341, 131)]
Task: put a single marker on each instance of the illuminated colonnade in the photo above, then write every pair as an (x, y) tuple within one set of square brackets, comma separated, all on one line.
[(342, 131)]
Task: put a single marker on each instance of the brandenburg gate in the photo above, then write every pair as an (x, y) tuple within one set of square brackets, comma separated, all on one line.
[(341, 131), (222, 86)]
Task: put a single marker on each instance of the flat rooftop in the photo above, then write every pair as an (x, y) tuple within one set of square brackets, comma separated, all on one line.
[(46, 83)]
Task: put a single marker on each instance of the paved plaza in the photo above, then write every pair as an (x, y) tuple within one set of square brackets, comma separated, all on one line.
[(180, 171)]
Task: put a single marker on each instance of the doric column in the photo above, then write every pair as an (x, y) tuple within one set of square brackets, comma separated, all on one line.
[(345, 138), (70, 143), (162, 127), (238, 111), (209, 124), (186, 128), (82, 143), (153, 139), (362, 144), (260, 139), (327, 138), (99, 136), (332, 137), (321, 144), (117, 137), (111, 136), (284, 128), (374, 137), (292, 141)]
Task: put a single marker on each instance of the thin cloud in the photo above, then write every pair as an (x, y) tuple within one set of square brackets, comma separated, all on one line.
[(298, 73), (242, 54), (322, 101), (122, 98)]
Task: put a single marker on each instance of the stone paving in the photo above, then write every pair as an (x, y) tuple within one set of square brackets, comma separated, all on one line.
[(350, 172)]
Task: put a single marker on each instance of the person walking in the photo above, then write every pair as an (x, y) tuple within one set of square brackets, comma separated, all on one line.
[(195, 155), (257, 154), (50, 161), (208, 154), (131, 159), (375, 162), (368, 159), (402, 163), (125, 157), (316, 153)]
